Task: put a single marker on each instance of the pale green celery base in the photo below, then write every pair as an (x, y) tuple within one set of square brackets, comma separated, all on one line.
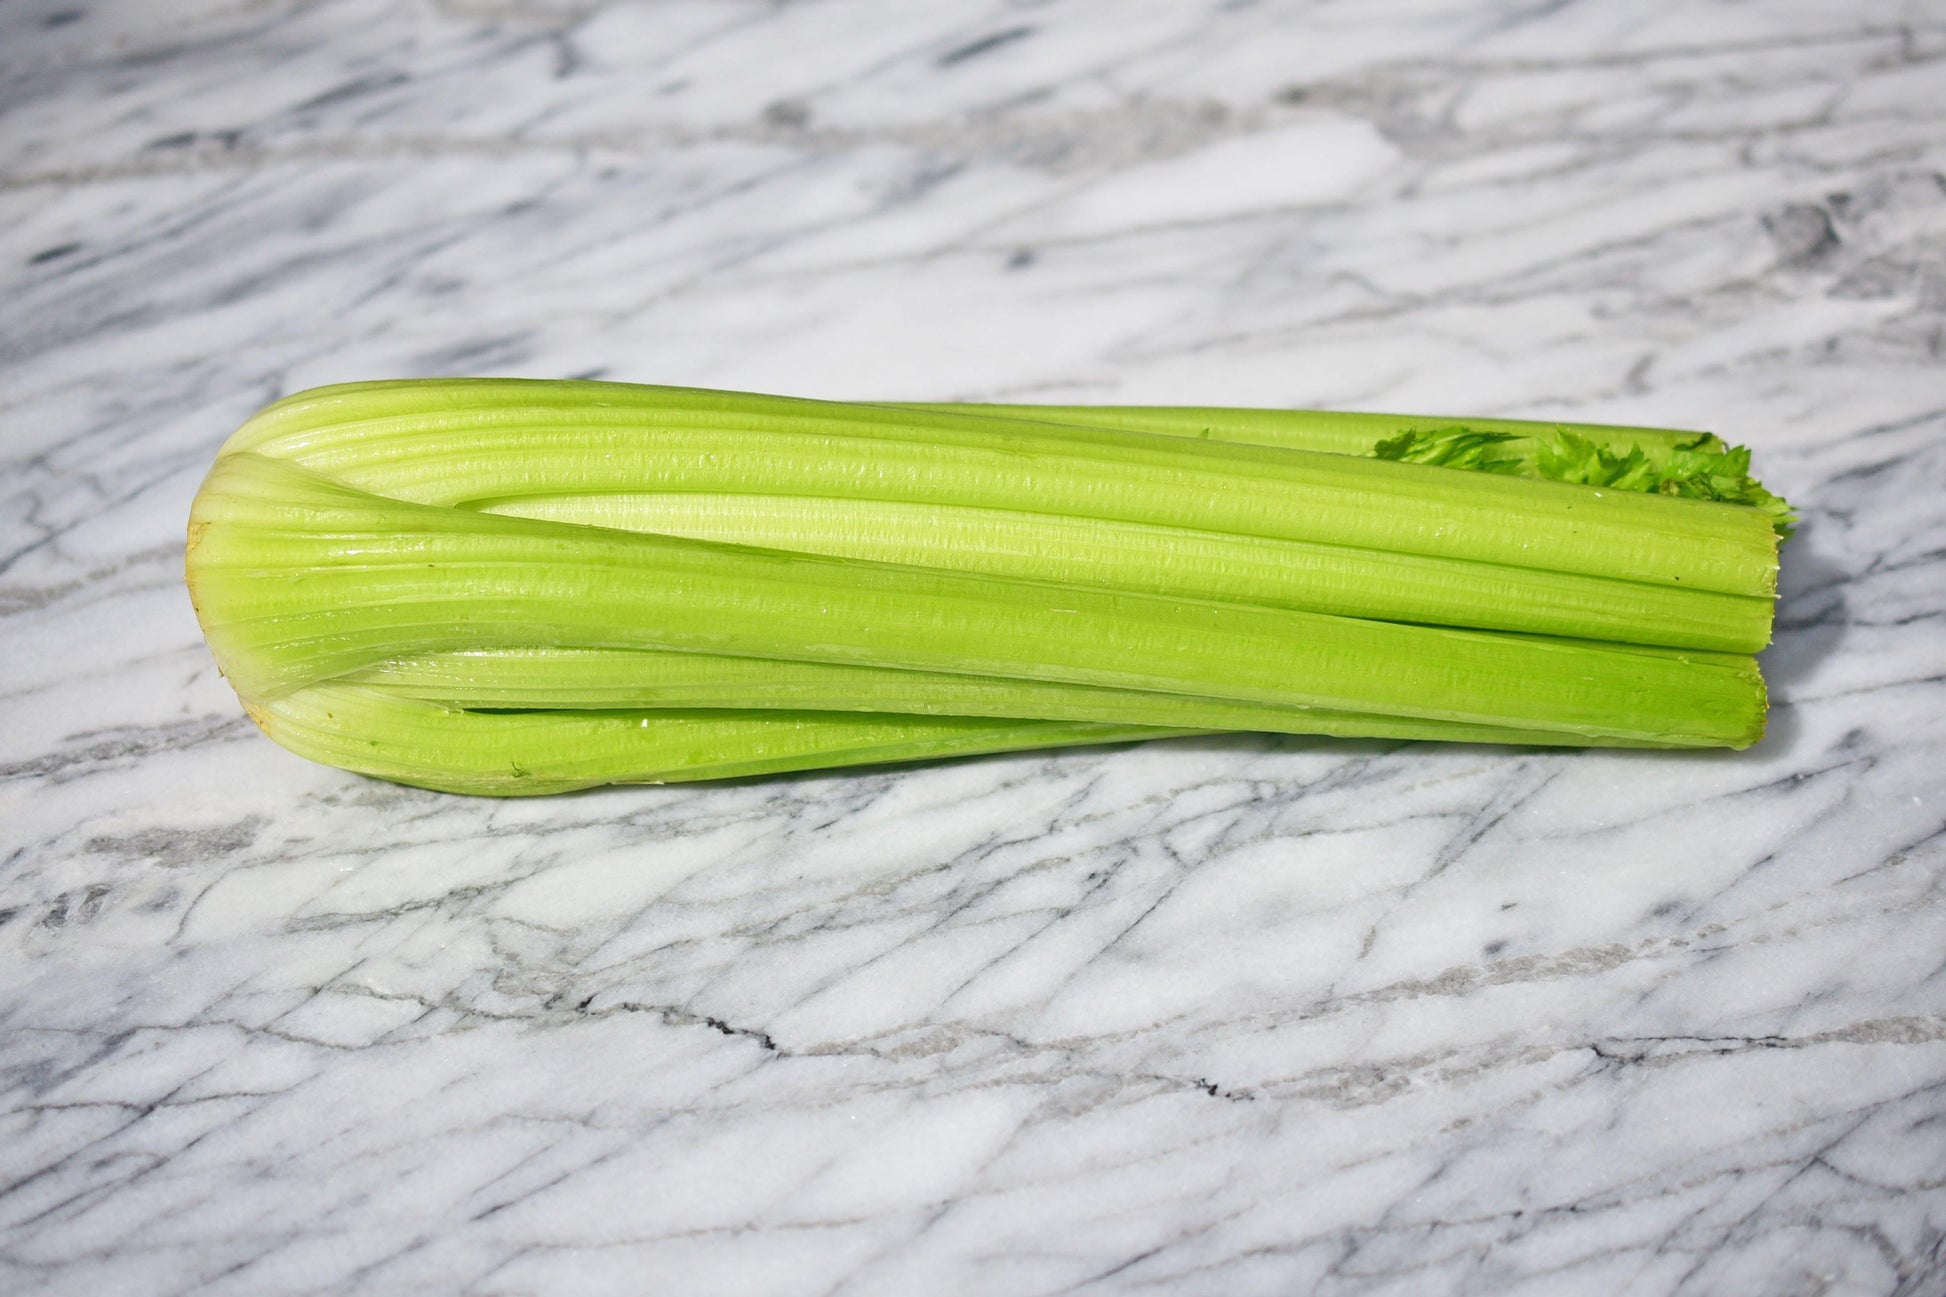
[(298, 579), (450, 441), (1330, 431), (430, 746), (589, 679), (1333, 579)]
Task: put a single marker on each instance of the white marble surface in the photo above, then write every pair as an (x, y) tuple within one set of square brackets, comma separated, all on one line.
[(1226, 1016)]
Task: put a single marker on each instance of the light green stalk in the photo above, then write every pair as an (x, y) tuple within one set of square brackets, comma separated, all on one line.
[(299, 580), (1329, 431), (433, 746), (553, 678), (1659, 461), (477, 441), (503, 586), (1334, 579)]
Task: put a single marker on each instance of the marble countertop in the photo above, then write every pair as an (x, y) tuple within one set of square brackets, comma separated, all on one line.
[(1241, 1015)]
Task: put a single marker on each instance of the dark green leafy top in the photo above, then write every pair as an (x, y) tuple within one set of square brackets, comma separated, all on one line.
[(1702, 469)]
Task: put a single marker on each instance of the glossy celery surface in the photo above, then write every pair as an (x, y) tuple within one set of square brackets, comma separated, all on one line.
[(1330, 431), (1685, 465), (501, 679), (1334, 579), (500, 586), (515, 754), (298, 579), (488, 441)]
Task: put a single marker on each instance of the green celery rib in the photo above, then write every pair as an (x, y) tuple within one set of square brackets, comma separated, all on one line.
[(433, 746), (1329, 431), (1196, 564), (298, 579), (619, 679), (451, 442), (1660, 461)]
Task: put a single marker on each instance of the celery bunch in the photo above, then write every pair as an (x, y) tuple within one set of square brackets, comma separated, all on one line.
[(506, 586)]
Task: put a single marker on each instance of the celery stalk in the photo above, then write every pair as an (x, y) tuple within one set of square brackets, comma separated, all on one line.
[(1662, 461), (1176, 560), (299, 579), (1330, 431), (432, 746), (623, 679), (458, 442), (509, 586)]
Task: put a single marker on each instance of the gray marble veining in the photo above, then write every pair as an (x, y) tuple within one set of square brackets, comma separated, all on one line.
[(1225, 1015)]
